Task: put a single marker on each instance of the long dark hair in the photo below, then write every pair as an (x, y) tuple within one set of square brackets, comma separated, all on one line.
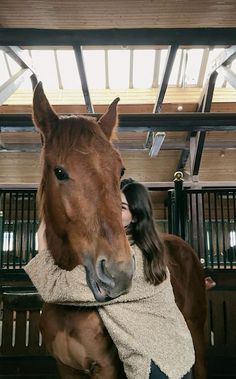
[(143, 232)]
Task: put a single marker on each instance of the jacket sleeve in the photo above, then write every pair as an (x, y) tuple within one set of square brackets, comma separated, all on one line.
[(56, 285)]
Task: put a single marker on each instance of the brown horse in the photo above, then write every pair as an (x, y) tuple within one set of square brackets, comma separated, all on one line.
[(80, 202)]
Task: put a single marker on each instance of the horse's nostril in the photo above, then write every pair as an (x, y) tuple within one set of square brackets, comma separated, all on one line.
[(103, 273)]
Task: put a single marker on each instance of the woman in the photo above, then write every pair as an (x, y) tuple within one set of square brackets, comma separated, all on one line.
[(146, 325)]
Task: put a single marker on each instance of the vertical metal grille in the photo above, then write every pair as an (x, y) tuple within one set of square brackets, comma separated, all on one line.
[(18, 225), (211, 226)]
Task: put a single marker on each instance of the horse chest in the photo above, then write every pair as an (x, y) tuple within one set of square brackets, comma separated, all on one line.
[(75, 337)]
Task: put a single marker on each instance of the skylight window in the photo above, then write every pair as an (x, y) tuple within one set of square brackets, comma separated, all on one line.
[(118, 66), (94, 61), (143, 68), (175, 72), (45, 65), (13, 66), (162, 64), (4, 71), (194, 59), (68, 70)]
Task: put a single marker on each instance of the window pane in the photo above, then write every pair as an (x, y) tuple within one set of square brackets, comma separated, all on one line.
[(45, 65), (143, 68), (4, 75), (94, 61), (68, 69), (212, 56), (14, 67), (175, 69), (162, 64), (8, 241), (118, 63), (193, 66)]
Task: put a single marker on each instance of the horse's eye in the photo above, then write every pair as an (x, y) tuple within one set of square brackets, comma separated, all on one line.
[(61, 174), (122, 172)]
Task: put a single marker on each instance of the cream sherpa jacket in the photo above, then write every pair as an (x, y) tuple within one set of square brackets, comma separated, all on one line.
[(144, 324)]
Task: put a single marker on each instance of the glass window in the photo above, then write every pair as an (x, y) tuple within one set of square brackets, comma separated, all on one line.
[(194, 59), (4, 71), (68, 69), (45, 65), (118, 64), (94, 61), (8, 241), (143, 68)]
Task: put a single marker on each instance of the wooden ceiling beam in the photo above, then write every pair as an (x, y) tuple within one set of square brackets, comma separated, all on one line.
[(138, 36)]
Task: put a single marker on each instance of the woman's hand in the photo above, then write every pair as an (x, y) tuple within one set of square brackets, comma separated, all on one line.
[(42, 243)]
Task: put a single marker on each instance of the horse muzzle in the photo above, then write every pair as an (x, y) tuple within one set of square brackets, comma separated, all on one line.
[(108, 280)]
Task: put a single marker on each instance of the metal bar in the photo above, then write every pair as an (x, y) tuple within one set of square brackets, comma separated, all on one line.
[(22, 229), (19, 56), (206, 101), (107, 84), (7, 64), (83, 78), (228, 223), (217, 231), (182, 160), (3, 228), (28, 228), (210, 230), (202, 71), (223, 229), (205, 107), (156, 68), (191, 122), (165, 79), (198, 153), (229, 75), (34, 223), (11, 85), (15, 228), (138, 36), (204, 229), (131, 69), (58, 70), (9, 229)]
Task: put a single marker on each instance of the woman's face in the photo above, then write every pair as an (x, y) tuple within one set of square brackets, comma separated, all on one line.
[(126, 214)]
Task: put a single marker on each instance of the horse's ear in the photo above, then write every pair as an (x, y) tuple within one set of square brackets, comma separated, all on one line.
[(44, 117), (109, 120)]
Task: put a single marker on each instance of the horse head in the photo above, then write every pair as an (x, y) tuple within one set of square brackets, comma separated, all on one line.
[(79, 196)]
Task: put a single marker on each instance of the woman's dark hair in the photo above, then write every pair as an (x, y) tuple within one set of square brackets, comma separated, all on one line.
[(143, 232)]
